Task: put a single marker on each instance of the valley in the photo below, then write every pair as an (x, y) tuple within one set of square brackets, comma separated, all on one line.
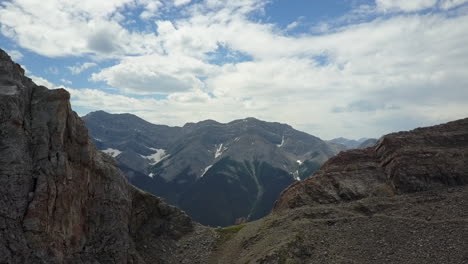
[(402, 200), (218, 173)]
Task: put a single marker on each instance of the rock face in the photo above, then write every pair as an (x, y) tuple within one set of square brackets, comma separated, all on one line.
[(405, 200), (218, 173), (61, 200), (405, 162)]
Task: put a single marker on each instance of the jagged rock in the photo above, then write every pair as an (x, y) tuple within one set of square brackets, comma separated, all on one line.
[(419, 160), (401, 201), (61, 200)]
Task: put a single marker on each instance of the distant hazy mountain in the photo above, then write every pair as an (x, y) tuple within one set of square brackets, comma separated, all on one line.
[(368, 143), (354, 144), (218, 173)]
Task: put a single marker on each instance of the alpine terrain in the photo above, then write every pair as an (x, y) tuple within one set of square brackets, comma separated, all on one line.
[(403, 200), (354, 144), (218, 173)]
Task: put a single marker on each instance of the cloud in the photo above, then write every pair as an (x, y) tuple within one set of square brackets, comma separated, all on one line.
[(52, 70), (364, 106), (292, 25), (77, 69), (102, 42), (181, 2), (16, 55), (448, 4), (378, 69), (152, 8), (156, 74), (42, 81), (394, 66), (66, 82), (75, 27), (404, 5)]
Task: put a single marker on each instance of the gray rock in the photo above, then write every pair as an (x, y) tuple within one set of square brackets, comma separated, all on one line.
[(61, 200)]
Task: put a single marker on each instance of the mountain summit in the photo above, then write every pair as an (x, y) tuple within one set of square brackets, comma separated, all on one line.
[(218, 173), (403, 200), (61, 200)]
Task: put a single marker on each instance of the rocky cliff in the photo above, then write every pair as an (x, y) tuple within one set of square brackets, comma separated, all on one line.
[(419, 160), (61, 200), (405, 200)]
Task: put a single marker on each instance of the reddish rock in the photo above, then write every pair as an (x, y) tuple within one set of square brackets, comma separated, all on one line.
[(61, 200), (405, 162)]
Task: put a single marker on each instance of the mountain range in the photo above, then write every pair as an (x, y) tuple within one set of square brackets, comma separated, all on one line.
[(403, 200), (354, 144), (218, 173)]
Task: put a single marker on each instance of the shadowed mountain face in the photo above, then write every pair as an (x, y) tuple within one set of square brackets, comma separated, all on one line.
[(61, 200), (404, 200), (218, 173)]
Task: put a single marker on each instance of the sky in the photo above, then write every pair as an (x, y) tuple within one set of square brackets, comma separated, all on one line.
[(332, 68)]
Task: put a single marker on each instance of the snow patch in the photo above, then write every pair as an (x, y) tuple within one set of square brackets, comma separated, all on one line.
[(296, 175), (205, 170), (219, 150), (156, 157), (282, 143), (299, 162), (113, 152), (151, 175), (236, 139), (97, 139)]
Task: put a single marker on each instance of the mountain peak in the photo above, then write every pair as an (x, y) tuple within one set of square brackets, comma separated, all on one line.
[(60, 197)]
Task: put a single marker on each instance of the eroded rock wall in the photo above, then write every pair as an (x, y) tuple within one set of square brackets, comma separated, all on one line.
[(405, 162), (61, 201)]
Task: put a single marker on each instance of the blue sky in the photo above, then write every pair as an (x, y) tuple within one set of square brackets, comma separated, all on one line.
[(352, 68)]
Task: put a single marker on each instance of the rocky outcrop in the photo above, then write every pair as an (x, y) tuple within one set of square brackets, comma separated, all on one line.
[(419, 160), (61, 200), (402, 201)]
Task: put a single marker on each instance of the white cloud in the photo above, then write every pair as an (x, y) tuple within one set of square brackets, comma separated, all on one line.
[(448, 4), (16, 55), (402, 66), (42, 81), (75, 27), (378, 75), (404, 5), (66, 82), (77, 69), (292, 25), (52, 70), (181, 2), (155, 74), (151, 8)]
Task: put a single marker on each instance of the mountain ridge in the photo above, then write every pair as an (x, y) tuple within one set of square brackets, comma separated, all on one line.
[(62, 201), (403, 200), (174, 166)]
